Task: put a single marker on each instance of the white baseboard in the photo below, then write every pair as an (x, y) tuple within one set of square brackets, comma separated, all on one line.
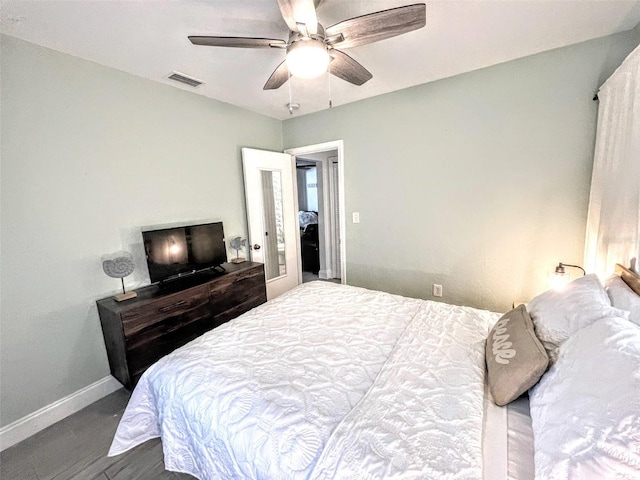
[(45, 417)]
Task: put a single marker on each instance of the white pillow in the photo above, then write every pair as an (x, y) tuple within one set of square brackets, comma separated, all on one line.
[(557, 315), (585, 411), (623, 297)]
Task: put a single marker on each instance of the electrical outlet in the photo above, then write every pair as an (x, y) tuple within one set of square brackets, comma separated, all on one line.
[(356, 217), (437, 290)]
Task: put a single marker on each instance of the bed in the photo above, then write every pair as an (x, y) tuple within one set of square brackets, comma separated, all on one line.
[(333, 381)]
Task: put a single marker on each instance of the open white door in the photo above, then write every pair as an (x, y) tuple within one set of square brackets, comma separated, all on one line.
[(273, 222)]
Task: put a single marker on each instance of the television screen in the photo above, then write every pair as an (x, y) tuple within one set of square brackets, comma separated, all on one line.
[(177, 251)]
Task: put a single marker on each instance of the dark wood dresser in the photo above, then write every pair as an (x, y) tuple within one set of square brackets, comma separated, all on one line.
[(140, 331)]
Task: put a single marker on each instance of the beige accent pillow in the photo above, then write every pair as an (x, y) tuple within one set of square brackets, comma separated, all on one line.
[(515, 357)]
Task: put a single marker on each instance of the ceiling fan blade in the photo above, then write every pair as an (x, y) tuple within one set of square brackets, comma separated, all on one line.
[(377, 26), (346, 68), (278, 78), (238, 42), (299, 11)]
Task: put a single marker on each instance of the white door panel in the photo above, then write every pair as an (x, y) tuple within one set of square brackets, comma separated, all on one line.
[(273, 221)]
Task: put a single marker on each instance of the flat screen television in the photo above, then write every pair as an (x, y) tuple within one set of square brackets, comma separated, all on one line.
[(177, 252)]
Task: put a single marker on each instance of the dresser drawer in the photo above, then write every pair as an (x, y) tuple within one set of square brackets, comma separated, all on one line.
[(179, 307), (233, 289), (253, 298), (146, 348)]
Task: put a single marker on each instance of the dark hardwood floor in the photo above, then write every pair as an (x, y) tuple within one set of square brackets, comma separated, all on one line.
[(76, 449)]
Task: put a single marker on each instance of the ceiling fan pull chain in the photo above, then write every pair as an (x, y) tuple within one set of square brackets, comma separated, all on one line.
[(329, 78), (290, 101)]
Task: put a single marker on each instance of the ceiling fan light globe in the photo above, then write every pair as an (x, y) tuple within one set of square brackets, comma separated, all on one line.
[(307, 58)]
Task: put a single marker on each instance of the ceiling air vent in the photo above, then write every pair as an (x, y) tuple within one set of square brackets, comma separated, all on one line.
[(180, 77)]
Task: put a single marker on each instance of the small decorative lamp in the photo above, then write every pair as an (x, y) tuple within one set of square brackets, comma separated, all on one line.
[(119, 265), (237, 243), (560, 279)]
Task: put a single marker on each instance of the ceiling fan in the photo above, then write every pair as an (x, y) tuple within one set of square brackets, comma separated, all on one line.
[(312, 49)]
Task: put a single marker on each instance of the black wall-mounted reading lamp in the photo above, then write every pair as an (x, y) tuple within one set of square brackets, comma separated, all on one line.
[(560, 268), (560, 279)]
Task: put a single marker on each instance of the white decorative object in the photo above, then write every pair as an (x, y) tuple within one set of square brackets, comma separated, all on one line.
[(613, 223), (119, 265), (237, 243)]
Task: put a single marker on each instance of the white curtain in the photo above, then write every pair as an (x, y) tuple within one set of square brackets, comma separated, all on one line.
[(613, 223)]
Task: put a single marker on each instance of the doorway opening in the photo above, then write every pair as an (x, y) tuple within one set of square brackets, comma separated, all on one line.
[(320, 205)]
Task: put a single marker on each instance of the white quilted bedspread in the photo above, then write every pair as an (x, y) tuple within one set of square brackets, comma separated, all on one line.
[(326, 381)]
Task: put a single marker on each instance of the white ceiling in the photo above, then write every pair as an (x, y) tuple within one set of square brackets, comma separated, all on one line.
[(148, 38)]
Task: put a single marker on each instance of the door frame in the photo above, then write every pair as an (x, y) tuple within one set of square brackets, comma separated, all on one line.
[(337, 145)]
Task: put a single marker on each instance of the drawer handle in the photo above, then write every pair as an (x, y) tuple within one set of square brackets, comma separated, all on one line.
[(172, 306)]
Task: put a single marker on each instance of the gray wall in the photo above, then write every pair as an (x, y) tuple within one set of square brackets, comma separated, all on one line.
[(90, 154), (478, 182)]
